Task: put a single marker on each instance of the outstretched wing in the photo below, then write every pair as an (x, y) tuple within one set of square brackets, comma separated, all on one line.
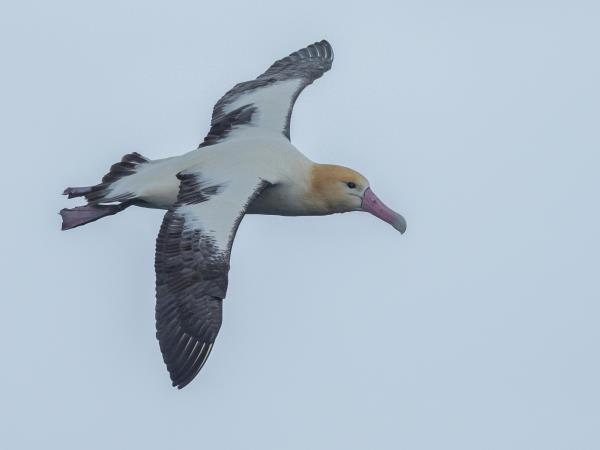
[(264, 105), (192, 263)]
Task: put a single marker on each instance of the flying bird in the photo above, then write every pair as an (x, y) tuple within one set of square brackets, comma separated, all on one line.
[(245, 165)]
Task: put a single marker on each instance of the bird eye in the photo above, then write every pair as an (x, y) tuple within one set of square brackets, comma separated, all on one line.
[(351, 185)]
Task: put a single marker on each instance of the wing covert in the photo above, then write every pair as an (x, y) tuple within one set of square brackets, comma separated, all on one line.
[(264, 105)]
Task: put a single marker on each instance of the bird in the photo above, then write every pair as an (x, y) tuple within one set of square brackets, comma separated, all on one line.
[(246, 164)]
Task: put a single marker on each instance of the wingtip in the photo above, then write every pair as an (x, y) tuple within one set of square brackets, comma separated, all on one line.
[(327, 47), (180, 384), (181, 379)]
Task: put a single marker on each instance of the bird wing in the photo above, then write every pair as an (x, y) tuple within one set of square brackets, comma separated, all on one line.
[(264, 105), (192, 262)]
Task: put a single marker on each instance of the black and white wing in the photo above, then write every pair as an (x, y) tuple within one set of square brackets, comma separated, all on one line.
[(264, 106), (192, 263)]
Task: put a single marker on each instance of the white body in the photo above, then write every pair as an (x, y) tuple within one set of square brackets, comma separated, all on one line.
[(273, 159)]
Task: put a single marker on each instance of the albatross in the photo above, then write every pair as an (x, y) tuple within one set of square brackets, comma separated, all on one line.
[(245, 165)]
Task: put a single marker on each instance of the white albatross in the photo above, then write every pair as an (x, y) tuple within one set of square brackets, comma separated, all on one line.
[(246, 165)]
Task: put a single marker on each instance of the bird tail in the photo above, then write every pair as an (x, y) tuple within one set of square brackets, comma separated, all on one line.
[(102, 193)]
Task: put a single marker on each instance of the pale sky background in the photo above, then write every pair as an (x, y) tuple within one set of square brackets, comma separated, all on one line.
[(478, 329)]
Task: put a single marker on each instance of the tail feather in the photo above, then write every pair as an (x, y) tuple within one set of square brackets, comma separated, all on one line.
[(100, 193), (80, 215)]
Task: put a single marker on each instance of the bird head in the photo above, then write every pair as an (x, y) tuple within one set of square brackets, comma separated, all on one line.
[(338, 189)]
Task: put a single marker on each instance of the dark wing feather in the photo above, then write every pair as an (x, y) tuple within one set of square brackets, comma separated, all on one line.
[(192, 266), (267, 102)]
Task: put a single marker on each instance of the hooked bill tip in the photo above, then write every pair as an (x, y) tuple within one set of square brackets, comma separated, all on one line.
[(372, 204), (400, 224)]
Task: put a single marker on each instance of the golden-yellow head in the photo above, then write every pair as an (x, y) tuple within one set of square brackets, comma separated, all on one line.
[(337, 189)]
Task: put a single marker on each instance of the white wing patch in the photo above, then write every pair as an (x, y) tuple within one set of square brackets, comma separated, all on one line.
[(214, 221), (217, 216), (273, 106)]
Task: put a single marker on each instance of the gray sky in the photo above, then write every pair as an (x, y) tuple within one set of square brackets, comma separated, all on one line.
[(478, 329)]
